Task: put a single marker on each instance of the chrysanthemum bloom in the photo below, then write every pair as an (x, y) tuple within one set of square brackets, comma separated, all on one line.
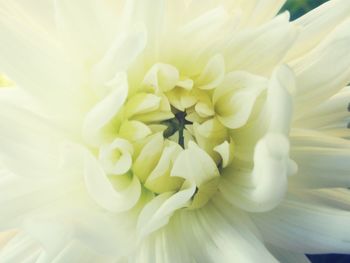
[(173, 131)]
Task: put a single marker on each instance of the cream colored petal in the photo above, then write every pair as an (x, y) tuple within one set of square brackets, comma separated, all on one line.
[(264, 187), (148, 157), (323, 160), (248, 50), (316, 24), (158, 211), (226, 151), (324, 71), (102, 191), (116, 158), (87, 28), (235, 97), (142, 103), (33, 59), (134, 130), (331, 116), (195, 165), (226, 234), (21, 248), (279, 100), (213, 74), (263, 11), (30, 143), (272, 113), (162, 77), (302, 227), (104, 111), (119, 56), (159, 180)]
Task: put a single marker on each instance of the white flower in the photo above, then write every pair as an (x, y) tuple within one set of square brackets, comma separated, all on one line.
[(173, 131)]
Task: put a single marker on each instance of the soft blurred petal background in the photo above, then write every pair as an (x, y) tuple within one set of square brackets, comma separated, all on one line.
[(298, 8)]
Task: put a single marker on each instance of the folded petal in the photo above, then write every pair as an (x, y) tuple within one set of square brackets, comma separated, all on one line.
[(104, 111), (102, 191), (264, 187)]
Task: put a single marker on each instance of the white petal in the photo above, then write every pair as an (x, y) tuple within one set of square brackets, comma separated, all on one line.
[(316, 24), (162, 76), (263, 11), (158, 211), (226, 234), (33, 59), (213, 74), (22, 248), (323, 161), (104, 111), (248, 50), (86, 27), (324, 71), (301, 227), (331, 116), (235, 97), (195, 165), (30, 144), (120, 55), (265, 187), (103, 192), (279, 100)]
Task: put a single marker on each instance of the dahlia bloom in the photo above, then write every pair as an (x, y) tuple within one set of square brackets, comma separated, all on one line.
[(173, 131)]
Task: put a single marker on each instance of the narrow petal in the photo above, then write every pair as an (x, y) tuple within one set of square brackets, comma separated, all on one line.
[(248, 50), (331, 116), (316, 24), (27, 138), (324, 71), (323, 160), (316, 228), (86, 27), (33, 59)]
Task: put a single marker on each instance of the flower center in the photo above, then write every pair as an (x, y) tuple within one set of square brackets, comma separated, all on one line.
[(176, 125), (171, 133)]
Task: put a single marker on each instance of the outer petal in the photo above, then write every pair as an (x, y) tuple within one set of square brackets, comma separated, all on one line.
[(303, 227), (27, 137), (215, 233), (33, 59), (87, 27), (331, 116), (323, 160), (316, 24), (324, 71), (248, 50), (263, 188)]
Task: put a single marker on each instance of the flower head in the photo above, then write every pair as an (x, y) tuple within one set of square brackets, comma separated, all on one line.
[(173, 131)]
